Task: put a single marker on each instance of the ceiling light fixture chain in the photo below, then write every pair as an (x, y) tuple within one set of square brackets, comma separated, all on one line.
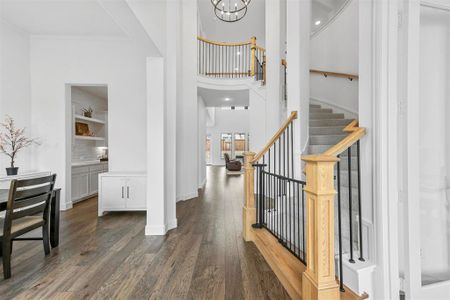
[(230, 11)]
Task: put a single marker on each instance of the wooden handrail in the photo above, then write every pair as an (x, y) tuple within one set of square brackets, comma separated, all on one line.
[(222, 43), (226, 73), (272, 141), (214, 66), (261, 48), (355, 134), (351, 77)]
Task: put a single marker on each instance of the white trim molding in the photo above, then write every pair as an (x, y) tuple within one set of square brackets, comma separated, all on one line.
[(155, 230), (186, 197)]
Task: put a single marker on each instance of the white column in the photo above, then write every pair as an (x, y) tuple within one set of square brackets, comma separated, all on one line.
[(298, 57), (187, 134), (172, 82), (156, 221), (273, 66)]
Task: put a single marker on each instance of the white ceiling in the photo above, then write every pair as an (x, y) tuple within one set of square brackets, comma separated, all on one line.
[(98, 91), (253, 24), (324, 11), (216, 98), (61, 17)]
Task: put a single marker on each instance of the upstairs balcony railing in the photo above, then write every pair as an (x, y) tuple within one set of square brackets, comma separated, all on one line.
[(231, 60)]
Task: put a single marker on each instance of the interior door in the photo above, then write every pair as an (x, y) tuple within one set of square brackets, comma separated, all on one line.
[(427, 168)]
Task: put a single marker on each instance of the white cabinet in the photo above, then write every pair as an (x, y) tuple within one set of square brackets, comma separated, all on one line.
[(122, 192), (85, 180), (113, 194), (136, 193)]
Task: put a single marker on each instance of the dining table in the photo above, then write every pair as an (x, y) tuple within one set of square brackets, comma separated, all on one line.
[(53, 218)]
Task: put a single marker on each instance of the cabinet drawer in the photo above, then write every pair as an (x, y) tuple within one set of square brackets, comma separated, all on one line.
[(96, 168), (80, 170)]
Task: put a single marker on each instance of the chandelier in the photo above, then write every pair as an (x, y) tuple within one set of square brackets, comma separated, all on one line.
[(230, 11)]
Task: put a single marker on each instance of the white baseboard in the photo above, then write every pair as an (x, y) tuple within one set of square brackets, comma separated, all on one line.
[(348, 112), (65, 205), (172, 224), (202, 184), (155, 230), (187, 196)]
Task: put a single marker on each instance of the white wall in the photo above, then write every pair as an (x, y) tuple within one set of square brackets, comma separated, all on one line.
[(202, 121), (117, 63), (226, 121), (15, 86), (257, 122), (273, 65), (336, 49), (298, 58)]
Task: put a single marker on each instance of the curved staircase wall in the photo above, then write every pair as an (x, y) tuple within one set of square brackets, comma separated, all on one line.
[(335, 49)]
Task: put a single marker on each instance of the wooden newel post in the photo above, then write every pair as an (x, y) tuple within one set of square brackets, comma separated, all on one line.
[(253, 56), (249, 211), (319, 280)]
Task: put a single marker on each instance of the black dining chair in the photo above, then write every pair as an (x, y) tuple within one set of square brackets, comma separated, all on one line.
[(27, 209)]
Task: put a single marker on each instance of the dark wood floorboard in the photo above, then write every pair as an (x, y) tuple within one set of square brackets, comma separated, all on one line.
[(111, 258)]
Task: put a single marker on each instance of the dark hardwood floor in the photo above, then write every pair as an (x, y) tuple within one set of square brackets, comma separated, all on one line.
[(111, 258)]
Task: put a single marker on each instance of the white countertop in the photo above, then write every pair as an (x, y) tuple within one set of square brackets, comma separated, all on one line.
[(88, 163)]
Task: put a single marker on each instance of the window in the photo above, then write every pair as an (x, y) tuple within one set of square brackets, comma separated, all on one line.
[(239, 144), (225, 144)]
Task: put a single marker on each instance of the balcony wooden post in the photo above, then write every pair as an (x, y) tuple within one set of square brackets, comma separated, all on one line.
[(253, 56), (249, 211), (319, 280)]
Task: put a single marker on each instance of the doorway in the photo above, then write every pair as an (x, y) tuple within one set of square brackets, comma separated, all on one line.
[(87, 140)]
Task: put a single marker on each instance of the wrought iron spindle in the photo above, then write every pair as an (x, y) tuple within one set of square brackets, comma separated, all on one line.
[(341, 275), (349, 159)]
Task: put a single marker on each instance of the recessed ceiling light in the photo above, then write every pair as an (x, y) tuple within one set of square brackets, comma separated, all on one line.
[(227, 99), (318, 22)]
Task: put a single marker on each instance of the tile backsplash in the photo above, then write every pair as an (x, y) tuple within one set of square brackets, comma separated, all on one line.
[(84, 150)]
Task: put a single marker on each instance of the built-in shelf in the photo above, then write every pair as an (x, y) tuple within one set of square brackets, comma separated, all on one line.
[(89, 138), (92, 120)]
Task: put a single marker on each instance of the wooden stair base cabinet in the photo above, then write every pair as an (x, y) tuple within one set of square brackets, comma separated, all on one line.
[(286, 266)]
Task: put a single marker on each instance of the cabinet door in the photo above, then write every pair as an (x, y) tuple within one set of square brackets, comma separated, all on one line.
[(93, 182), (113, 193), (136, 193), (80, 186)]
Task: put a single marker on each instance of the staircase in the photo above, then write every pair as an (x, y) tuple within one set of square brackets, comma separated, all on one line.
[(326, 130)]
